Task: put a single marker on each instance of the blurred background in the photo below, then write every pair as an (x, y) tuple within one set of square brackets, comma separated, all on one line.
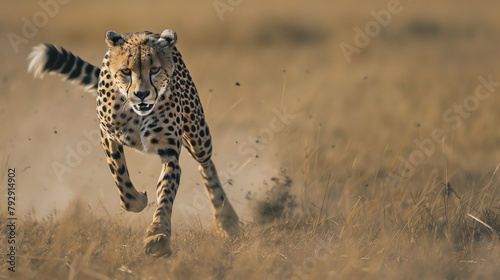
[(360, 89)]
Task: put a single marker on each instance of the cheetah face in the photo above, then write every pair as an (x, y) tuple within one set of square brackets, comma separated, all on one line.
[(141, 65)]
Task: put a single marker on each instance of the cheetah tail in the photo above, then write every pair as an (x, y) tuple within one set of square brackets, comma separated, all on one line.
[(47, 58)]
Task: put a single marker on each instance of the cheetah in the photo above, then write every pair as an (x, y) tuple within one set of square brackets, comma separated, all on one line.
[(146, 100)]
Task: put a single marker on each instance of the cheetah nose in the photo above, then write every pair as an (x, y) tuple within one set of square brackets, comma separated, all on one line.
[(141, 94)]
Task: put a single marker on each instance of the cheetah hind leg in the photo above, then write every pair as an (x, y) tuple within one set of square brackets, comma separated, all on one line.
[(225, 218)]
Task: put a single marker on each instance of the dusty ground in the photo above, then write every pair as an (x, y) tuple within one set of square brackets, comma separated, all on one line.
[(389, 149)]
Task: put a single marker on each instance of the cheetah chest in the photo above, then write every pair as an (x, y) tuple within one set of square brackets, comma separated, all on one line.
[(140, 132)]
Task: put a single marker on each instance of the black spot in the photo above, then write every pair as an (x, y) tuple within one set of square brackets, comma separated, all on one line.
[(154, 141), (237, 84), (112, 169), (168, 153), (158, 129), (129, 196), (127, 206), (116, 155), (207, 143), (128, 185), (147, 133), (121, 170)]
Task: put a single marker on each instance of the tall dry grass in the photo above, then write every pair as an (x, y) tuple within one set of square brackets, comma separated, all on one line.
[(389, 235)]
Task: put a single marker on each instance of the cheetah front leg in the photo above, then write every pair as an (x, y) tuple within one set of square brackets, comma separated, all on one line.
[(157, 241), (130, 198)]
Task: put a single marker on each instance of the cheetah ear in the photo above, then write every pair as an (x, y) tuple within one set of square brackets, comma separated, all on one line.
[(113, 39), (168, 38)]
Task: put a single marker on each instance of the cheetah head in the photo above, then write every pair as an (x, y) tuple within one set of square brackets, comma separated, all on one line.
[(141, 65)]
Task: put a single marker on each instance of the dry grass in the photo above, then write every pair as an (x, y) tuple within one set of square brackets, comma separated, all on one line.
[(386, 236), (333, 209)]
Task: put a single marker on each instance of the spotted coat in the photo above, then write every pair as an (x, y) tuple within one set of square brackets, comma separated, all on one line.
[(146, 100)]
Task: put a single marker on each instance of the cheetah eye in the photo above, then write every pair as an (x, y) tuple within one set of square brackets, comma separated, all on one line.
[(126, 72), (154, 70)]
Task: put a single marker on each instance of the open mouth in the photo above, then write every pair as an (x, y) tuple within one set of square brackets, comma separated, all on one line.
[(143, 107)]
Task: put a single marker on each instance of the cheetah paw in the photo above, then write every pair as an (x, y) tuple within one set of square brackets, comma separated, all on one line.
[(137, 203), (227, 221), (157, 245)]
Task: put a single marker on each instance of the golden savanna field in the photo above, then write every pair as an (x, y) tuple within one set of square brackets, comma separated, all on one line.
[(355, 140)]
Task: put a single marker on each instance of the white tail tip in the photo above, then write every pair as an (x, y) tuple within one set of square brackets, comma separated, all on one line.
[(38, 59)]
